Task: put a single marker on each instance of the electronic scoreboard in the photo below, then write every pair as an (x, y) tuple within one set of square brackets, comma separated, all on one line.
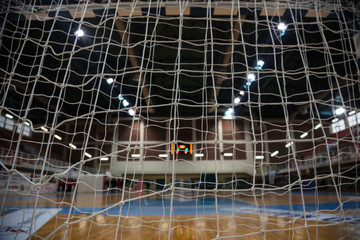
[(181, 148)]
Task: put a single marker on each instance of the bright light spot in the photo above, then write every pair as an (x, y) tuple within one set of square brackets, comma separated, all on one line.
[(131, 112), (242, 93), (339, 111), (88, 155), (163, 155), (9, 116), (27, 123), (110, 81), (304, 135), (79, 33), (120, 97), (352, 112), (199, 154), (260, 64), (135, 155), (228, 154), (318, 126), (259, 157), (125, 103), (237, 100), (44, 129), (282, 26), (352, 121), (274, 153), (104, 159), (251, 77), (289, 144), (58, 137), (229, 113), (335, 120), (339, 126), (72, 146)]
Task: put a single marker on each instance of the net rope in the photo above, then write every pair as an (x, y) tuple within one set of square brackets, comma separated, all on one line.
[(179, 119)]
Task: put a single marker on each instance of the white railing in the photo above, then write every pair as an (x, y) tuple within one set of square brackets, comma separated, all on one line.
[(31, 161), (345, 156)]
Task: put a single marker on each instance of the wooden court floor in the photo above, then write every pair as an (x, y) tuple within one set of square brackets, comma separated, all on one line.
[(246, 226), (196, 226)]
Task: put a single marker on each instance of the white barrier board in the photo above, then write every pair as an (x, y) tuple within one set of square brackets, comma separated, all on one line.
[(16, 225)]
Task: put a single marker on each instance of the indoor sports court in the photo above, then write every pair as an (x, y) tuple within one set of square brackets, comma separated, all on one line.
[(179, 119)]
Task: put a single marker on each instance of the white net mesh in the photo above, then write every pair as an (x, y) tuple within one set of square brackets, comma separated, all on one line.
[(179, 119)]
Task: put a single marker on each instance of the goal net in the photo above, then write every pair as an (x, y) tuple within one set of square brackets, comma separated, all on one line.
[(179, 119)]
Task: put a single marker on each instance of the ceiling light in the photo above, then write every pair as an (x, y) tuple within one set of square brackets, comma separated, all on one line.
[(120, 97), (242, 93), (260, 64), (110, 81), (335, 120), (274, 153), (58, 137), (72, 146), (44, 129), (9, 116), (352, 112), (199, 154), (229, 113), (282, 26), (135, 155), (125, 103), (289, 144), (237, 100), (339, 111), (79, 33), (163, 155), (88, 155), (228, 154), (259, 157), (303, 135), (251, 77), (318, 126), (104, 159), (131, 112)]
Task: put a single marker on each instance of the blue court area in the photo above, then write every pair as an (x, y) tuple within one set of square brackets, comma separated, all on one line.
[(207, 206), (212, 206), (181, 206)]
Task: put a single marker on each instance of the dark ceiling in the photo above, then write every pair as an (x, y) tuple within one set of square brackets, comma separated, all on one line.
[(45, 68)]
